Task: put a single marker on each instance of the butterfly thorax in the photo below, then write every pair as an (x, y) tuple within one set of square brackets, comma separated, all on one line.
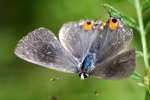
[(87, 65)]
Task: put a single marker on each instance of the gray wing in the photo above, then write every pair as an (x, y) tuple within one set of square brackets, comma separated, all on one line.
[(76, 40), (42, 47), (111, 42), (117, 67)]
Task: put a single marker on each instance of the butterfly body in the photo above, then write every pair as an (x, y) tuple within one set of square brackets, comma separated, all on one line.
[(86, 47), (88, 63)]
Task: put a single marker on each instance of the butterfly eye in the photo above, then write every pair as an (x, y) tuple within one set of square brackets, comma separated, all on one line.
[(87, 26), (113, 24)]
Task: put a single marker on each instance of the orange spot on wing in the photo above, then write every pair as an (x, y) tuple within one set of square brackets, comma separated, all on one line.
[(87, 26), (113, 24)]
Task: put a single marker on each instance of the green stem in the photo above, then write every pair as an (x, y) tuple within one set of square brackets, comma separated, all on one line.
[(144, 48), (147, 96), (142, 33)]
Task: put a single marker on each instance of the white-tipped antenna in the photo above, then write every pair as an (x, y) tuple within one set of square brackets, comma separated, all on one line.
[(82, 76)]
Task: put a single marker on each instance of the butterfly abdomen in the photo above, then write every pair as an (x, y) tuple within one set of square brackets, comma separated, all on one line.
[(88, 63)]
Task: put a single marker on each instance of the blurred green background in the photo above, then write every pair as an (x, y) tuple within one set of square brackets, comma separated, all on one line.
[(20, 80)]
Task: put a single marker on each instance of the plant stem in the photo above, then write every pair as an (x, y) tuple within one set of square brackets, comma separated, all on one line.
[(147, 96), (142, 33), (144, 48)]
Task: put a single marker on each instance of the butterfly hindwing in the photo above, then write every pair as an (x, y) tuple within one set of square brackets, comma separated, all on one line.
[(111, 42), (42, 47), (117, 67)]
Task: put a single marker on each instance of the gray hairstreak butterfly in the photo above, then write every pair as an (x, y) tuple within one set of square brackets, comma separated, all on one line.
[(86, 47)]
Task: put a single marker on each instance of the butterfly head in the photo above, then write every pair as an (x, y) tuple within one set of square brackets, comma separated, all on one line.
[(83, 75)]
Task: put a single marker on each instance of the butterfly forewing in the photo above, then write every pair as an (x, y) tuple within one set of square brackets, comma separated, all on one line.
[(42, 47), (76, 40)]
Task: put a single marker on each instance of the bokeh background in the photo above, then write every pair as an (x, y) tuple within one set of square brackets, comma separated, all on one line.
[(20, 80)]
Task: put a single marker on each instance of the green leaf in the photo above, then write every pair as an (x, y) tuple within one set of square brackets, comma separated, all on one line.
[(131, 22), (139, 53), (128, 20), (112, 10), (146, 5), (141, 84), (137, 76)]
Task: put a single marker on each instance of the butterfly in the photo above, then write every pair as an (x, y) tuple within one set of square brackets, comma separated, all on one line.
[(86, 47)]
